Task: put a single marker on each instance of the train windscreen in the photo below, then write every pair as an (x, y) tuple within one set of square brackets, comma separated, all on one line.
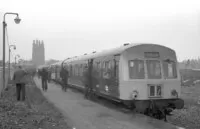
[(136, 69), (153, 69), (170, 70)]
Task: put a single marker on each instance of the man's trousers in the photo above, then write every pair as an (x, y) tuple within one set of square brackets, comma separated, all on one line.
[(20, 90), (44, 84)]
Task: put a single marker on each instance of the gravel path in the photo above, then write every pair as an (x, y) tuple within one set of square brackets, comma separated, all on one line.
[(85, 114)]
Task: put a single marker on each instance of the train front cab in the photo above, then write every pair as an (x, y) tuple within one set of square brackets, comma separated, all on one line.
[(149, 78)]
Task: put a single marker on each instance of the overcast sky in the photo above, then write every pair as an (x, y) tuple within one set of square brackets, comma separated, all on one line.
[(74, 27)]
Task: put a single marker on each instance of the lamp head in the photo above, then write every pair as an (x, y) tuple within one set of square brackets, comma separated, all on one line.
[(17, 20), (17, 56)]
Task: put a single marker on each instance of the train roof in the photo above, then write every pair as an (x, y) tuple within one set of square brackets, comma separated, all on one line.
[(57, 63), (114, 51), (42, 66)]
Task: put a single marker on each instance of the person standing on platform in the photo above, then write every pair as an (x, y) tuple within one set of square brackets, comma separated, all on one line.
[(19, 80), (86, 82), (49, 75), (44, 76), (64, 74)]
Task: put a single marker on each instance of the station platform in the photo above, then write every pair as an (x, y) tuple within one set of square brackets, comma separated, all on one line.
[(81, 113)]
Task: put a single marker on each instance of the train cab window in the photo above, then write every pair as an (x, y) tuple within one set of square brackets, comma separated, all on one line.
[(169, 69), (136, 69), (153, 69)]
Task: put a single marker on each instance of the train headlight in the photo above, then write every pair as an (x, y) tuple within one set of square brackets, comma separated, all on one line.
[(174, 93), (134, 94)]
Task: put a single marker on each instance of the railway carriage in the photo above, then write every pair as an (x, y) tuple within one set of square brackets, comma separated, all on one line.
[(144, 76), (55, 71)]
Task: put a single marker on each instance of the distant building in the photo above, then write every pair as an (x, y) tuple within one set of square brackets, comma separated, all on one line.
[(38, 53)]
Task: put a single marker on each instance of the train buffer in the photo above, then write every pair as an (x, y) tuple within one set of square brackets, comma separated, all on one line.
[(81, 113)]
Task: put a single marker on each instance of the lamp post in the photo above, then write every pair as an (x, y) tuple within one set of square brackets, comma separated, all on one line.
[(17, 21), (14, 47), (16, 58)]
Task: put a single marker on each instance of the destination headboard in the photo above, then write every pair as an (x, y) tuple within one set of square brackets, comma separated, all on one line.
[(151, 54)]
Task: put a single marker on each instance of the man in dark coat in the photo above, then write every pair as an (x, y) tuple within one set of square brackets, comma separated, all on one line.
[(19, 80), (64, 75), (44, 76), (88, 80)]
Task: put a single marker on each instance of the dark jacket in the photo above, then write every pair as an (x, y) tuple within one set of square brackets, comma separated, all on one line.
[(44, 74), (64, 74), (19, 76)]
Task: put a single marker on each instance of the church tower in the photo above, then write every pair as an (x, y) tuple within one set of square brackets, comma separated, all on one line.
[(38, 53)]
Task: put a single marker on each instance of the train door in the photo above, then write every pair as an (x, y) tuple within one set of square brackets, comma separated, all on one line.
[(114, 77), (97, 79), (90, 73), (110, 76), (116, 69)]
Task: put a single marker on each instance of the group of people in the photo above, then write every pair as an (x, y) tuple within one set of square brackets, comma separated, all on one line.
[(45, 76)]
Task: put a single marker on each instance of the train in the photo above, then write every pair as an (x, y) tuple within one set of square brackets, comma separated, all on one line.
[(142, 76)]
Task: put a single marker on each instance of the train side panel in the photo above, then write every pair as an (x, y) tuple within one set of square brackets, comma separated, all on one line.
[(105, 75), (76, 70)]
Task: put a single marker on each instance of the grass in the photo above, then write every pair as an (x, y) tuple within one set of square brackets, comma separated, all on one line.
[(36, 112), (189, 117)]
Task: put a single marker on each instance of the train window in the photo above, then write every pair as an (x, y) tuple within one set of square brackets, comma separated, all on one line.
[(71, 70), (76, 70), (116, 72), (153, 69), (103, 65), (106, 69), (169, 69), (152, 90), (155, 90), (107, 65), (98, 65), (136, 69), (81, 70)]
